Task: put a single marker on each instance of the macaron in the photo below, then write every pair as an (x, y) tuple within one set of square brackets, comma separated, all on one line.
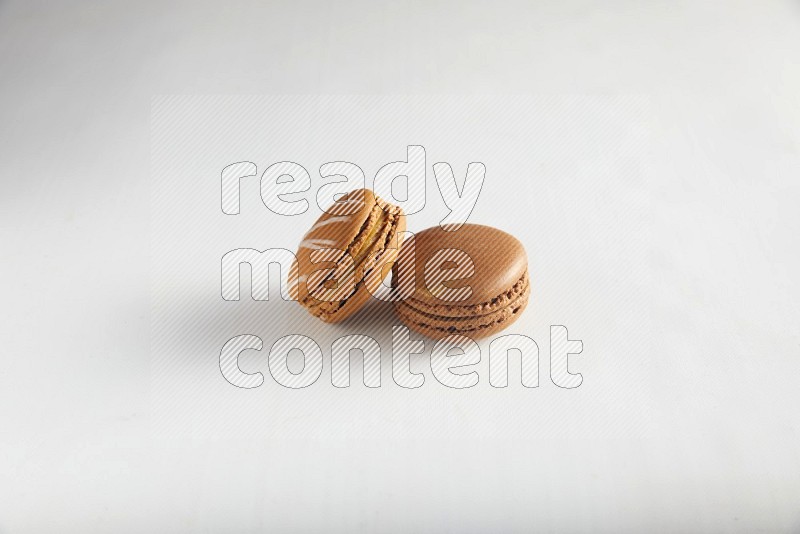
[(472, 281), (346, 254)]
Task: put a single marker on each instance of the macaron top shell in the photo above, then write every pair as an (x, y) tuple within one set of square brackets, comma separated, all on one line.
[(339, 226), (499, 269)]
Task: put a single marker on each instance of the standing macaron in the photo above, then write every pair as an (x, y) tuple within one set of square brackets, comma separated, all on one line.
[(472, 281), (346, 254)]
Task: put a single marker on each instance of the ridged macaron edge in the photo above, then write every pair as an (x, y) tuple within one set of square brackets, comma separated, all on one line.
[(391, 218), (478, 325)]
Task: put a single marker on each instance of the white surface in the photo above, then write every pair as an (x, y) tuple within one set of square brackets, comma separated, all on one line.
[(709, 441), (583, 221)]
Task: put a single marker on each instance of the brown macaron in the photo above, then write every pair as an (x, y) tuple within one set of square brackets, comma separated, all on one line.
[(345, 256), (472, 281)]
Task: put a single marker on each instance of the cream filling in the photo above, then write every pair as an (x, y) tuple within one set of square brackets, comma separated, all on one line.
[(478, 322)]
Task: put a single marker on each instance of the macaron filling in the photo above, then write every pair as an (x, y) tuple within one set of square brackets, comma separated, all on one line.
[(374, 237), (455, 319), (453, 309)]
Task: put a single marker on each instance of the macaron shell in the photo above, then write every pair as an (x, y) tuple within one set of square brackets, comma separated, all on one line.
[(337, 228), (499, 261), (472, 281)]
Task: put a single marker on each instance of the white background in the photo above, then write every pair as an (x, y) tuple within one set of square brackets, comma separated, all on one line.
[(687, 419)]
